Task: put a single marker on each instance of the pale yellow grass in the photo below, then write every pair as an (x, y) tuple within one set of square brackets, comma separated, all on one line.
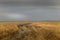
[(29, 30)]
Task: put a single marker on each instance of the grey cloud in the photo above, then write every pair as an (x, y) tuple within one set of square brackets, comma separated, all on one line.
[(12, 17), (14, 10)]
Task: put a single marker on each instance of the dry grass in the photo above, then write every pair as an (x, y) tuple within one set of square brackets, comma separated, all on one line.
[(29, 30)]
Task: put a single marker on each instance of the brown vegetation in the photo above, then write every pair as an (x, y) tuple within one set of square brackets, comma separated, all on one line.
[(30, 31)]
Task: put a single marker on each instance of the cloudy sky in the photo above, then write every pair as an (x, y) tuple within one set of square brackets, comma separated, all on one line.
[(21, 10)]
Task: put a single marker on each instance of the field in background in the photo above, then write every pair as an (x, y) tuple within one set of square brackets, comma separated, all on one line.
[(29, 30)]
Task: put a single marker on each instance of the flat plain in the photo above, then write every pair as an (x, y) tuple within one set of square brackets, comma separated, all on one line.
[(44, 30)]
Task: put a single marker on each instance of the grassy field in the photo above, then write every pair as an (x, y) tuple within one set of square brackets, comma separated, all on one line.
[(29, 30)]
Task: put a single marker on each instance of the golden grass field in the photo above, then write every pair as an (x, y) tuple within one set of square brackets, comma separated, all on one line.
[(29, 30)]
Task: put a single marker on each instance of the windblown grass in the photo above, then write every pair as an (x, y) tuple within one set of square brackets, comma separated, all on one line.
[(30, 31)]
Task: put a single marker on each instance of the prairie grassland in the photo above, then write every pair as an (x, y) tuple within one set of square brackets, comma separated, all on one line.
[(29, 30)]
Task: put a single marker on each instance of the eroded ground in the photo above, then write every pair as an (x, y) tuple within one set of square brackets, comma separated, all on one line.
[(29, 30)]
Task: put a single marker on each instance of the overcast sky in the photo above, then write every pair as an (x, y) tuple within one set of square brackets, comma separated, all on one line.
[(32, 10)]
